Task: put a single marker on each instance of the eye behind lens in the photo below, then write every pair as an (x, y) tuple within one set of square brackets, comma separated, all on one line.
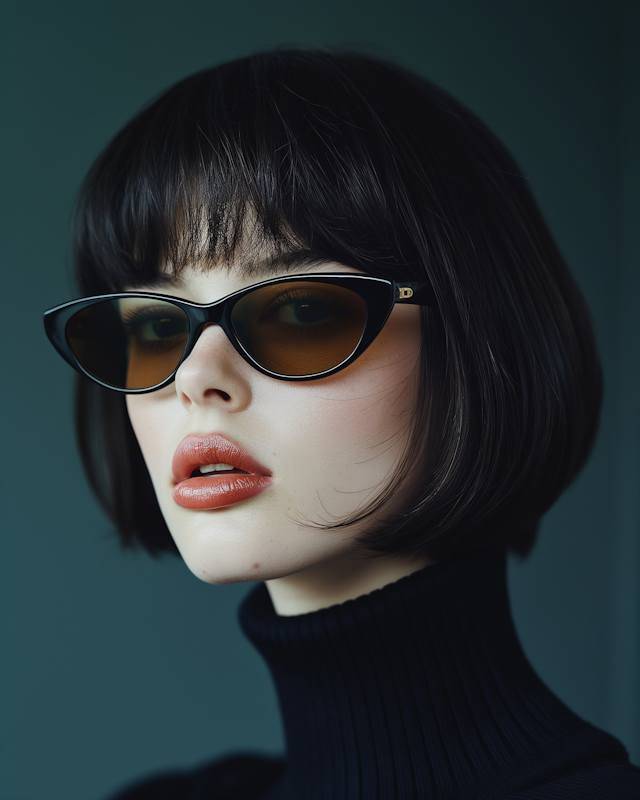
[(299, 329), (129, 342)]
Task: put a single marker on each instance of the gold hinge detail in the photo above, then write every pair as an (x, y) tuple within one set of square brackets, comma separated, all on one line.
[(404, 292)]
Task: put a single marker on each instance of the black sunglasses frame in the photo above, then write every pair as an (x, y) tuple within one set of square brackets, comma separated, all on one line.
[(380, 296)]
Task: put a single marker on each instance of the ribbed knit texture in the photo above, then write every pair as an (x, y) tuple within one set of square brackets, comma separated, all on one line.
[(419, 690)]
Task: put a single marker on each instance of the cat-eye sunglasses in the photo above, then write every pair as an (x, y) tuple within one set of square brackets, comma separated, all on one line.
[(296, 328)]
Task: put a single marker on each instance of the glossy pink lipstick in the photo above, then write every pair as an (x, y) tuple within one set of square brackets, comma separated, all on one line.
[(215, 489)]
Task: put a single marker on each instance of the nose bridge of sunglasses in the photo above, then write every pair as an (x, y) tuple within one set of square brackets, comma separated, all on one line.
[(206, 316), (203, 316)]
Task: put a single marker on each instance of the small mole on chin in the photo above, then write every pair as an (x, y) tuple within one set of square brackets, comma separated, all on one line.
[(255, 566)]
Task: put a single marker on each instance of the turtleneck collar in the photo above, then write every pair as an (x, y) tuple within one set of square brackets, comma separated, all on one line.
[(419, 689)]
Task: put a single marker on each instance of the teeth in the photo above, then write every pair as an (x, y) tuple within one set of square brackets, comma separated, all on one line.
[(215, 468)]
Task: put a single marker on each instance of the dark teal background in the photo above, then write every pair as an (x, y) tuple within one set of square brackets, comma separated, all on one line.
[(114, 665)]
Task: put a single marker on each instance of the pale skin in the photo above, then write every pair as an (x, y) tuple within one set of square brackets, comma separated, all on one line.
[(331, 445)]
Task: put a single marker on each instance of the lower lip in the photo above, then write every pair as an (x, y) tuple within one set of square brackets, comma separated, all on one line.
[(219, 491)]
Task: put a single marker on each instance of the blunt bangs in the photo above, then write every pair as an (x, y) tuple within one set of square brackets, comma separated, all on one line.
[(316, 155), (267, 152)]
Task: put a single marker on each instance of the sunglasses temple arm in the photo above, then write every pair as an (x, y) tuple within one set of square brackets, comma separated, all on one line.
[(416, 293)]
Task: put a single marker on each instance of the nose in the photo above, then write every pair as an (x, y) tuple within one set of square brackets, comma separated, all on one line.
[(214, 374)]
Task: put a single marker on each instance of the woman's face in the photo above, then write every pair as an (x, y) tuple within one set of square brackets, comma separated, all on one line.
[(329, 445)]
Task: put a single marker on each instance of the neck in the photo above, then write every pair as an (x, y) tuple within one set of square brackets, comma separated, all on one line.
[(420, 689), (337, 580)]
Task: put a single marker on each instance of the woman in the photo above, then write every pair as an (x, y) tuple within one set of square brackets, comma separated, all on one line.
[(331, 345)]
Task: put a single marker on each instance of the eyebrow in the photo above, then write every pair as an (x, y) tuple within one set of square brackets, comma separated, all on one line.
[(291, 261)]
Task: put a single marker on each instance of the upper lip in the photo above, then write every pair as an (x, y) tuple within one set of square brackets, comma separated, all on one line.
[(212, 448)]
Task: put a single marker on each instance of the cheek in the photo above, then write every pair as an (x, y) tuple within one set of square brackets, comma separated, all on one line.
[(380, 396), (151, 424), (342, 438)]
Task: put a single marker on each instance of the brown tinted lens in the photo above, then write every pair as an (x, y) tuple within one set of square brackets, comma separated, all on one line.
[(130, 343), (300, 328)]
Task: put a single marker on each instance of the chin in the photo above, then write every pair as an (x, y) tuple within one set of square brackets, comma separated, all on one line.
[(224, 546), (225, 570), (229, 556), (223, 559), (223, 562)]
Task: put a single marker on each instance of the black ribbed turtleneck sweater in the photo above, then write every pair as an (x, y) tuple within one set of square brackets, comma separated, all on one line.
[(417, 690)]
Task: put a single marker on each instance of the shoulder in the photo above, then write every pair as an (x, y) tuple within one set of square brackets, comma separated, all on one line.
[(604, 782), (237, 778), (591, 765)]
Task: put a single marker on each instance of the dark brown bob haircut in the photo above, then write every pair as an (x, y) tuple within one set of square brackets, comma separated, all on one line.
[(342, 157)]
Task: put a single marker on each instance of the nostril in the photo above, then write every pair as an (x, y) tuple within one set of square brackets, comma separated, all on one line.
[(223, 395)]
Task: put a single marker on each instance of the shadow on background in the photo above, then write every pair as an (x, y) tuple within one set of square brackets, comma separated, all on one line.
[(114, 665)]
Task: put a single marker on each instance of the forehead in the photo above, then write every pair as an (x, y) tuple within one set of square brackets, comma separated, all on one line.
[(205, 268), (243, 269), (246, 255), (206, 282)]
